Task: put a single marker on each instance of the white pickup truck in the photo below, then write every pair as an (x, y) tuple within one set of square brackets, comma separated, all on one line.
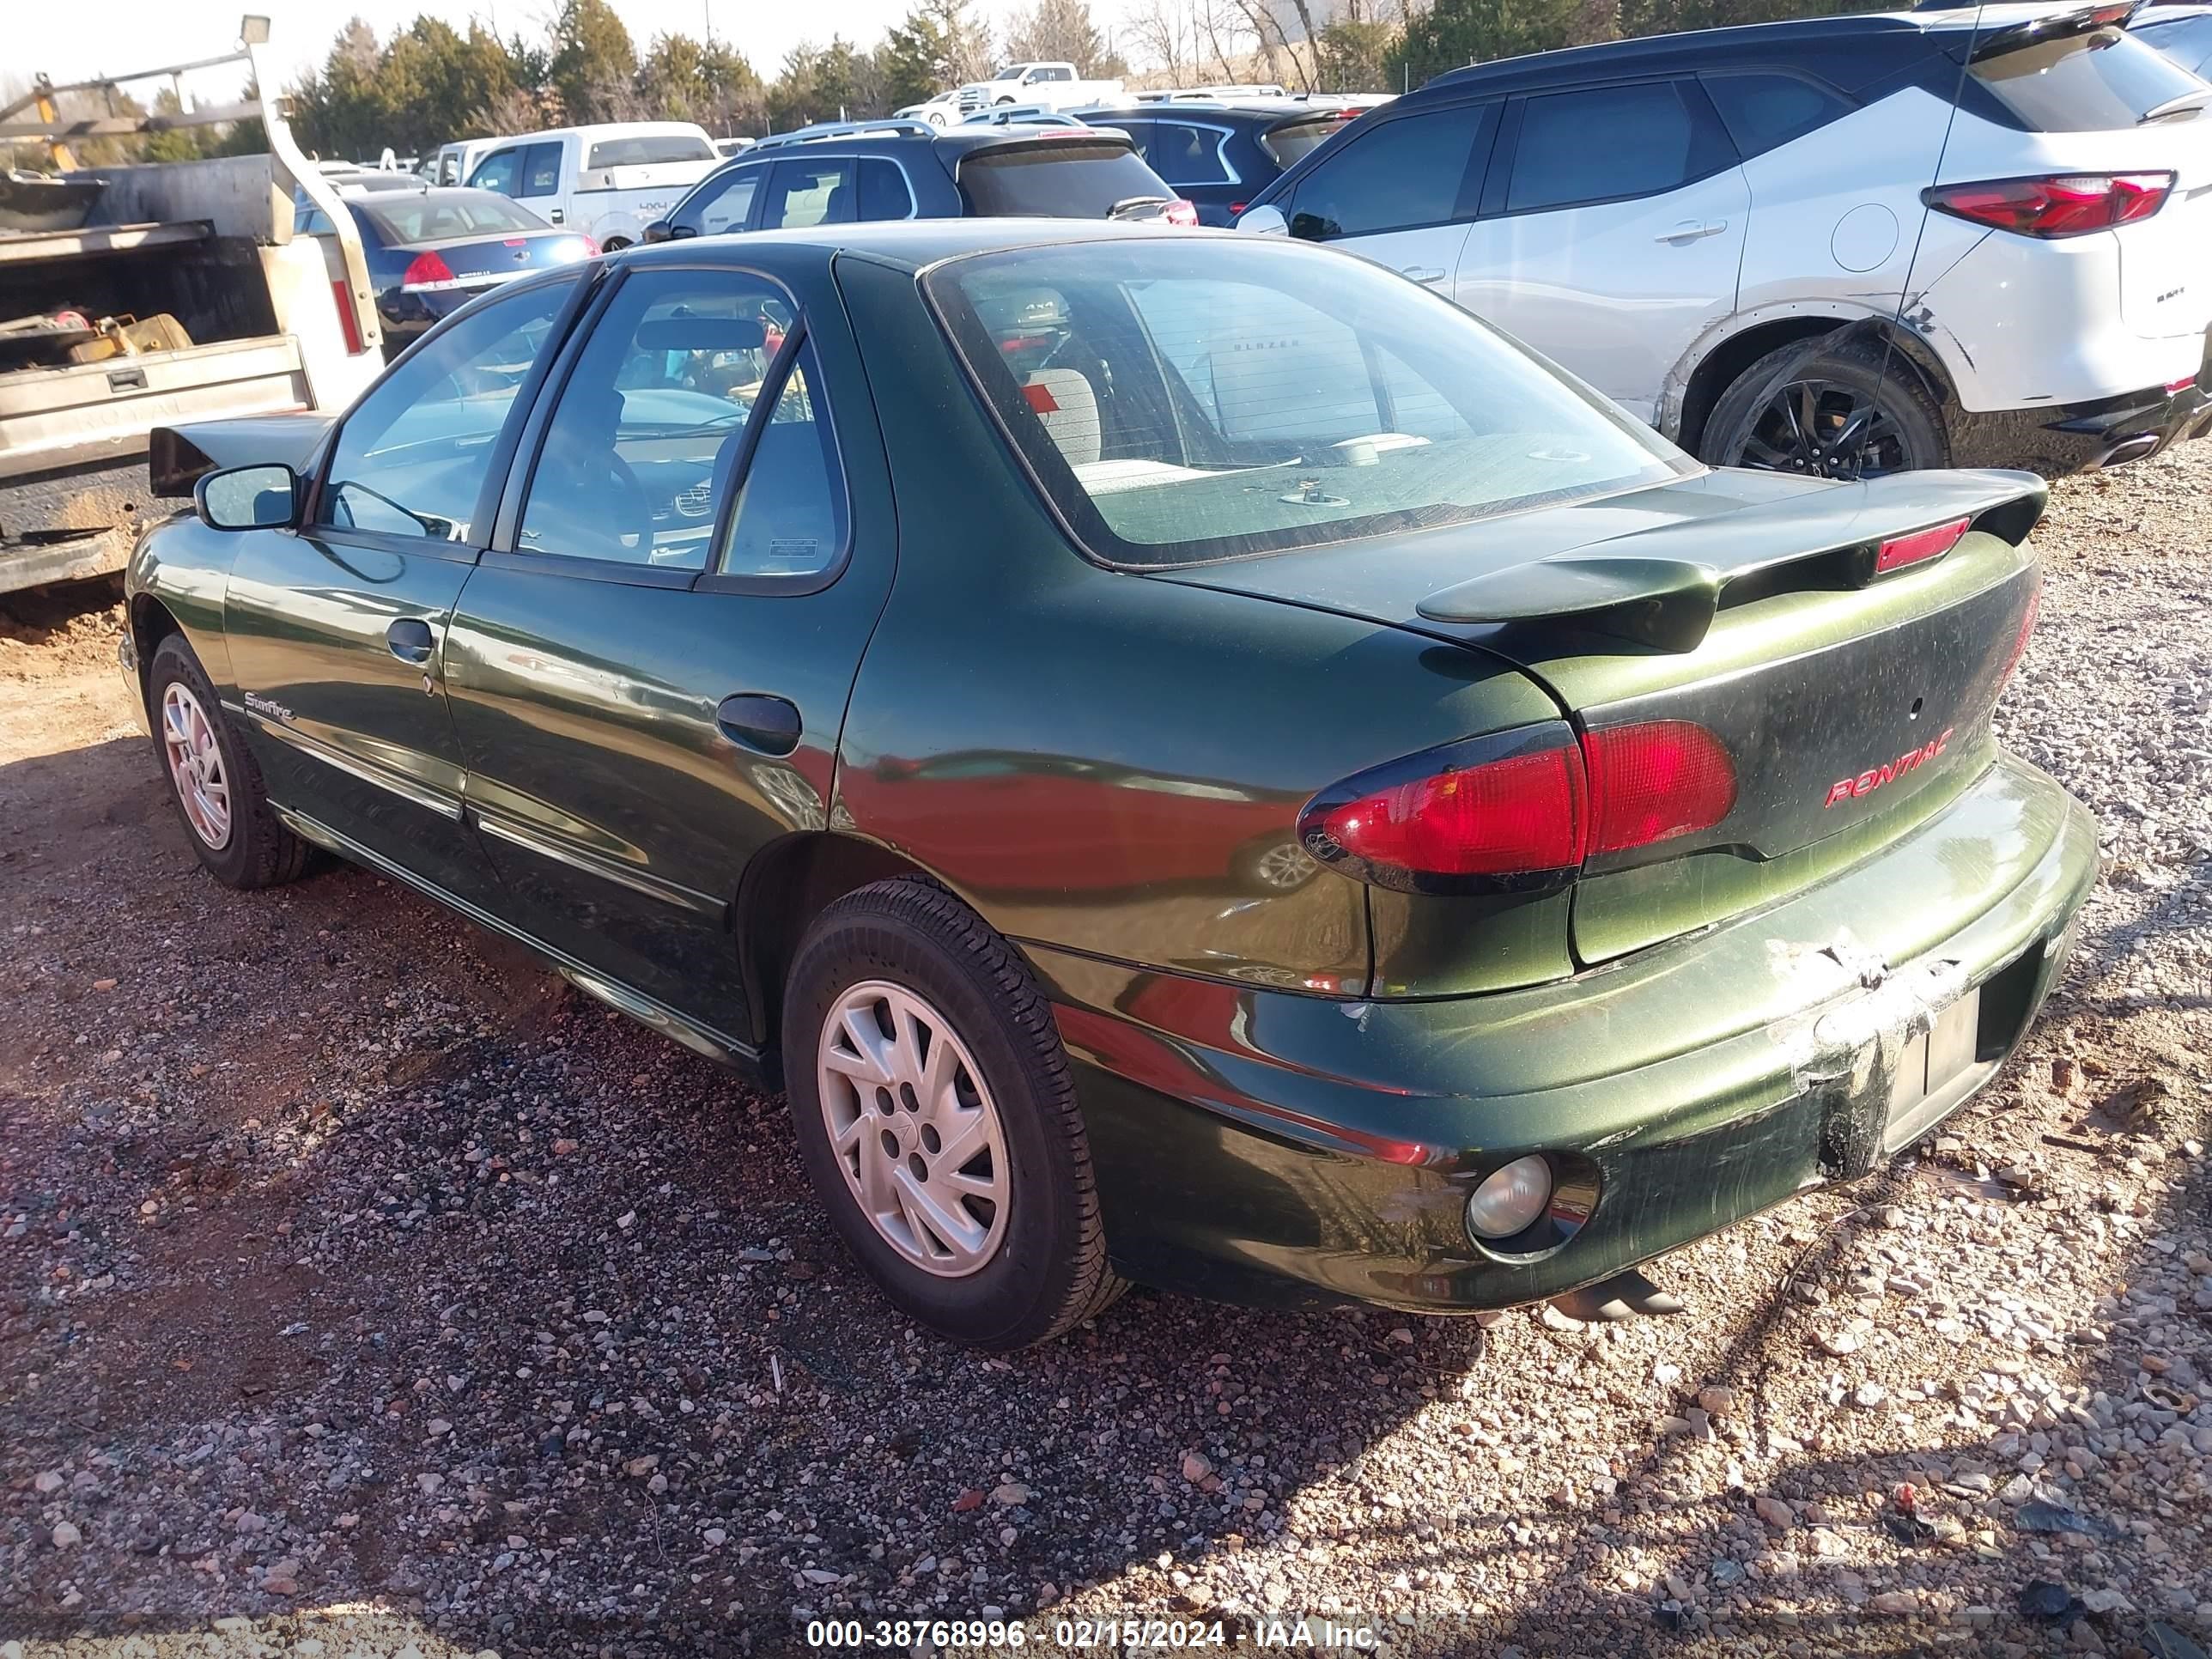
[(133, 298), (1053, 85), (609, 182)]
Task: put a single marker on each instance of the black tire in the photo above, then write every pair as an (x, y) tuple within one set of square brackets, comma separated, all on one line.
[(1746, 428), (1048, 1272), (614, 245), (258, 851)]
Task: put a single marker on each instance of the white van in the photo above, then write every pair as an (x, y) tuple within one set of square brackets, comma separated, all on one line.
[(608, 182), (450, 164)]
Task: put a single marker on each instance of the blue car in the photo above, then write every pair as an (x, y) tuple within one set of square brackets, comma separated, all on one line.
[(431, 251)]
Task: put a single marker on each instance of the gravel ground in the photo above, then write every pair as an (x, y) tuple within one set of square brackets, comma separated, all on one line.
[(364, 1291)]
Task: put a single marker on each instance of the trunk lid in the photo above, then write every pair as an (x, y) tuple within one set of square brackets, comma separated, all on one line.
[(1850, 713)]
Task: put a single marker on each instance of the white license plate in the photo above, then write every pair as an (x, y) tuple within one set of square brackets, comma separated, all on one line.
[(1929, 1062)]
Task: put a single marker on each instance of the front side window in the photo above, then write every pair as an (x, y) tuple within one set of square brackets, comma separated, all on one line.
[(412, 458), (723, 204), (1406, 173), (1611, 143), (1181, 403), (501, 171), (644, 439), (804, 193)]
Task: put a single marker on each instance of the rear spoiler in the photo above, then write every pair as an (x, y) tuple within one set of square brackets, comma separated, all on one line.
[(1663, 588), (2054, 26), (178, 457)]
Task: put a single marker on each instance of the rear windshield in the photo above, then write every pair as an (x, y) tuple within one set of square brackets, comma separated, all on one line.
[(1292, 144), (649, 149), (1057, 180), (2103, 80), (1185, 400), (2187, 40), (437, 218)]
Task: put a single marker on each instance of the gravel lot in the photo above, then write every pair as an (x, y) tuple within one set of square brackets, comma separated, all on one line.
[(363, 1290)]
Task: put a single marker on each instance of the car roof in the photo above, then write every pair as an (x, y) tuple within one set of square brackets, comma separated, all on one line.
[(880, 137), (602, 130), (1242, 113), (911, 243), (1752, 42)]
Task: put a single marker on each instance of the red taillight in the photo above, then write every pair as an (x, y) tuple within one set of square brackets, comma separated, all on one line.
[(1236, 208), (2068, 204), (590, 248), (1496, 810), (348, 323), (1921, 544), (1503, 817), (1653, 781), (425, 269), (1182, 212)]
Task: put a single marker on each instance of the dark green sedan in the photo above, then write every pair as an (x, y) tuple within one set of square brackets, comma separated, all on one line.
[(1190, 758)]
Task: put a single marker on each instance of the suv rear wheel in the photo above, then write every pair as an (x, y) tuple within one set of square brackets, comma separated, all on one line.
[(1852, 412)]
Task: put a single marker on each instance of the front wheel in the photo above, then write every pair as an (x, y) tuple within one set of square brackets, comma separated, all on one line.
[(1857, 411), (213, 779), (936, 1115)]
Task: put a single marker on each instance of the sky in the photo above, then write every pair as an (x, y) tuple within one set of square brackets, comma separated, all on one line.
[(42, 36)]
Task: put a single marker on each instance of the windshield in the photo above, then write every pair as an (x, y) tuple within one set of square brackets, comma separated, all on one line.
[(2100, 81), (1182, 401), (1057, 179), (649, 149), (436, 218)]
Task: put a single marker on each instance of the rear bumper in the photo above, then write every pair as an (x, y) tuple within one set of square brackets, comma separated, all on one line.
[(2082, 437), (1265, 1147)]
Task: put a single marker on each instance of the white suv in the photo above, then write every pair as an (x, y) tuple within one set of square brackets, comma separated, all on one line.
[(1727, 232)]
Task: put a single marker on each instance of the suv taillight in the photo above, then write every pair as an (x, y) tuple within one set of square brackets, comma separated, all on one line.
[(1521, 809), (1181, 211), (2065, 204)]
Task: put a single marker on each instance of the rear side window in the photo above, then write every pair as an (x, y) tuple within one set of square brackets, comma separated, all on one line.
[(1765, 112), (1039, 176), (1186, 154), (884, 192), (541, 170), (2101, 81), (1405, 173), (1611, 143)]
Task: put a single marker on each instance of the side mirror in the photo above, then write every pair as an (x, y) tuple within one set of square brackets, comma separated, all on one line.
[(657, 231), (1264, 220), (264, 497)]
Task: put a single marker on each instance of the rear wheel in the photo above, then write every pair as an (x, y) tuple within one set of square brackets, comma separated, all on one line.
[(614, 245), (936, 1115), (212, 777), (1841, 414)]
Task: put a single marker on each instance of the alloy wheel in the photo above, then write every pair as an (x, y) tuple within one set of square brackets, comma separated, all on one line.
[(196, 766), (914, 1128), (1823, 429), (1286, 867)]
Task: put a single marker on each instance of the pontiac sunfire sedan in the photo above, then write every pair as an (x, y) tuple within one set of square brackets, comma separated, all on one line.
[(1192, 759)]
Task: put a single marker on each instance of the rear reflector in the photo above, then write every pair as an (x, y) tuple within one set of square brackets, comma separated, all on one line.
[(1520, 809), (1654, 781), (349, 322), (2068, 204), (1918, 547), (2026, 632)]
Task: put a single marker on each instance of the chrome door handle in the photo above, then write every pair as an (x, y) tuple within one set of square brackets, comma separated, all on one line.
[(1691, 229), (753, 719), (1422, 273), (412, 641)]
